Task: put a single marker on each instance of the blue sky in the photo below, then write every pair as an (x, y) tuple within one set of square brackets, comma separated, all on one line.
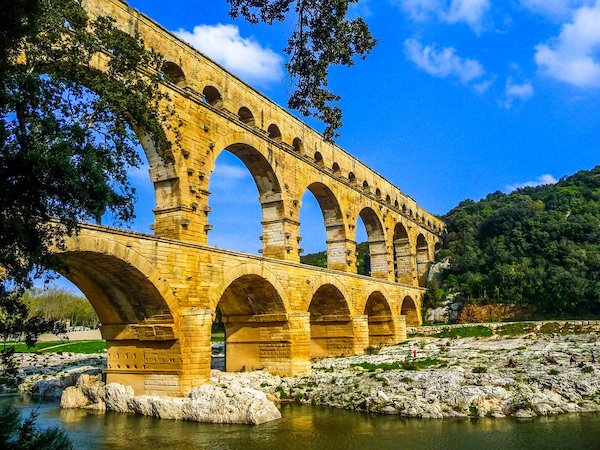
[(459, 98)]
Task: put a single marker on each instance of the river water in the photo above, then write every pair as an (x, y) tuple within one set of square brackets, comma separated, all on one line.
[(304, 427)]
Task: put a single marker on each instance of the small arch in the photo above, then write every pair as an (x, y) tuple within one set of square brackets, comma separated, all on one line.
[(366, 187), (298, 145), (429, 223), (388, 199), (351, 177), (404, 209), (318, 158), (423, 262), (212, 96), (378, 193), (174, 74), (376, 239), (331, 330), (381, 324), (274, 132), (246, 116), (335, 168), (437, 247), (403, 258), (409, 310), (410, 212)]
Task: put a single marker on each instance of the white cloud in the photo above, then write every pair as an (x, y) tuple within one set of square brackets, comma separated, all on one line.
[(555, 9), (573, 56), (228, 172), (443, 63), (514, 91), (471, 12), (541, 180), (243, 56)]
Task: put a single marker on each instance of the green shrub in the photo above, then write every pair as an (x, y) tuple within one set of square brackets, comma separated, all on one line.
[(587, 369), (479, 369), (553, 372)]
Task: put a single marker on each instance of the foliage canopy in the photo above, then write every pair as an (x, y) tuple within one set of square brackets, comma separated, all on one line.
[(323, 36), (537, 246)]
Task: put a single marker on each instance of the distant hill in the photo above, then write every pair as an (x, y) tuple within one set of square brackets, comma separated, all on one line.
[(538, 247), (362, 256)]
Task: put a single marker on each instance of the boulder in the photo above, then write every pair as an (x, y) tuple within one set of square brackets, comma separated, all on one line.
[(209, 403)]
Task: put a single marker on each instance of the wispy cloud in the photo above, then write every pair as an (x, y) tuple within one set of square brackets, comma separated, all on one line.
[(444, 63), (243, 56), (573, 57), (471, 12), (555, 9), (541, 180), (360, 9), (516, 91)]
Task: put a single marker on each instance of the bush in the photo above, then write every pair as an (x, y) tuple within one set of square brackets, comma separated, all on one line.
[(479, 369), (587, 369), (553, 372)]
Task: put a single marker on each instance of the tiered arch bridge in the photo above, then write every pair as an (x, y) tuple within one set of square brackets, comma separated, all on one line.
[(156, 295)]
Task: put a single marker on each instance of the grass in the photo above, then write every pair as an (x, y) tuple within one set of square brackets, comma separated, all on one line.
[(515, 329), (217, 336), (96, 346), (462, 332), (408, 364)]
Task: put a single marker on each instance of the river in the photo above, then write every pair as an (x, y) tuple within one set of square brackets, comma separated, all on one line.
[(304, 427)]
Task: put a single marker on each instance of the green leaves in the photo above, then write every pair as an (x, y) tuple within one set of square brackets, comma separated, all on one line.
[(323, 37), (67, 135), (536, 246)]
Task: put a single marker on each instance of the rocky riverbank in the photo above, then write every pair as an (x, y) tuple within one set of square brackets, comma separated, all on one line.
[(542, 372)]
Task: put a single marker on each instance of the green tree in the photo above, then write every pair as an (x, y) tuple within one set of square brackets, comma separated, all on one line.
[(323, 36), (536, 247), (66, 140)]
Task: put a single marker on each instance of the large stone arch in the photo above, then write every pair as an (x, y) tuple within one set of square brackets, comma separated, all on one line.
[(262, 166), (382, 329), (335, 225), (377, 242), (404, 256), (410, 310), (137, 309), (331, 328)]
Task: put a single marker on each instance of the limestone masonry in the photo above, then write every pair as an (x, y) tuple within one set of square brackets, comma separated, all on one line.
[(156, 296)]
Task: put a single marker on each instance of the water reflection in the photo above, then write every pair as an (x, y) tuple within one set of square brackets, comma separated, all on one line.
[(317, 428)]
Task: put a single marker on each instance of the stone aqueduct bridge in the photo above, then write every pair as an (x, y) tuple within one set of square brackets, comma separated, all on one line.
[(156, 296)]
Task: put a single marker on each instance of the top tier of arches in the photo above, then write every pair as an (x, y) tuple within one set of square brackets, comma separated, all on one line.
[(193, 74)]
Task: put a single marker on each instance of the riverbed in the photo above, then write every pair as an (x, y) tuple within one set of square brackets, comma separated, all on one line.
[(306, 427)]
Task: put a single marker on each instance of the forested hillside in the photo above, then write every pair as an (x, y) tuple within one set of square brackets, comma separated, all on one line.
[(538, 247)]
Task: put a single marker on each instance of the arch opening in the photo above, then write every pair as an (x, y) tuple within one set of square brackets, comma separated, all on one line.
[(335, 230), (246, 116), (331, 330), (366, 187), (423, 262), (381, 323), (130, 307), (274, 132), (319, 159), (352, 178), (240, 223), (174, 74), (255, 322), (404, 266), (376, 242), (409, 310), (212, 96), (298, 145)]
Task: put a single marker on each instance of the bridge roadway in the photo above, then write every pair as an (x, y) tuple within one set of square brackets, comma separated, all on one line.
[(157, 297)]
